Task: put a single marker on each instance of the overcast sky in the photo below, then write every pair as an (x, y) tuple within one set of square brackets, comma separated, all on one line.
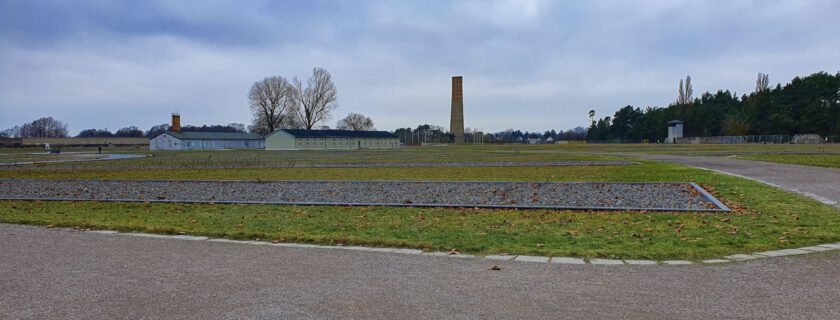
[(530, 65)]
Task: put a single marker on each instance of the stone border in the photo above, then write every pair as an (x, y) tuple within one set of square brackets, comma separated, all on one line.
[(517, 258)]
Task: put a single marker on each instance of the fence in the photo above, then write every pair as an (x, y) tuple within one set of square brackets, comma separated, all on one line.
[(753, 139), (757, 139)]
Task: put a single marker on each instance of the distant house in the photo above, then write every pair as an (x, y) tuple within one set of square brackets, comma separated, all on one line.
[(296, 139), (534, 139), (174, 139)]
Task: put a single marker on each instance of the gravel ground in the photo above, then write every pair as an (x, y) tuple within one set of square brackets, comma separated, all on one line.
[(73, 157), (351, 165), (618, 196)]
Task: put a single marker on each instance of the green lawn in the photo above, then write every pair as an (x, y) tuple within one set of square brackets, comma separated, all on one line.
[(765, 218), (819, 160)]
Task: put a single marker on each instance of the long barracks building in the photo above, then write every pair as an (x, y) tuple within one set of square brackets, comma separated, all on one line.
[(295, 139)]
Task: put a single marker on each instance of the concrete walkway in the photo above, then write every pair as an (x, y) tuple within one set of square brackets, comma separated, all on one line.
[(65, 274), (822, 184)]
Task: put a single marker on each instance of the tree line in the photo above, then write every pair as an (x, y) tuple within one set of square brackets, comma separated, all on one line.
[(426, 133), (47, 127), (805, 105)]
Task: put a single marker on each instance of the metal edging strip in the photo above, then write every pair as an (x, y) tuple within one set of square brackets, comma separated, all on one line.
[(710, 197)]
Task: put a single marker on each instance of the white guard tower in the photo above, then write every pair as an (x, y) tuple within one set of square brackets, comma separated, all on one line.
[(675, 130)]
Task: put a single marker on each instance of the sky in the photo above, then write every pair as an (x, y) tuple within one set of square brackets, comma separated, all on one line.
[(530, 65)]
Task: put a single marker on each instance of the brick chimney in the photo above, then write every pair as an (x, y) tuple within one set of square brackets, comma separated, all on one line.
[(456, 120), (176, 123)]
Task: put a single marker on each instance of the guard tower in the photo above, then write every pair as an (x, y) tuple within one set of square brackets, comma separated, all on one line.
[(675, 130)]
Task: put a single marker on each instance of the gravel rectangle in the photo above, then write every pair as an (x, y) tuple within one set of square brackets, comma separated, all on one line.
[(533, 195), (458, 164)]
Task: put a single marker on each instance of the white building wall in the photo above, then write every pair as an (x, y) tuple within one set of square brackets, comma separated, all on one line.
[(222, 144), (169, 142), (165, 142), (674, 131)]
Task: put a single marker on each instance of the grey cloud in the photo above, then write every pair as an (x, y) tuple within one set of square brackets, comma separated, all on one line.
[(534, 65)]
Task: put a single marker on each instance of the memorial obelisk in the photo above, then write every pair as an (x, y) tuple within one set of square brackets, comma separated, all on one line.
[(456, 120)]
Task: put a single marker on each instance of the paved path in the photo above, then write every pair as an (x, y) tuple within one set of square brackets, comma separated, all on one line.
[(822, 184), (64, 274)]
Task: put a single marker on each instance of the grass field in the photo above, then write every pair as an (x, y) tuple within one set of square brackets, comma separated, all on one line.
[(765, 218), (819, 160)]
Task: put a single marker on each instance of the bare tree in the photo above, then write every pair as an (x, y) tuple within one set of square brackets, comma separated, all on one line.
[(290, 121), (155, 130), (685, 91), (239, 127), (762, 83), (316, 102), (287, 120), (130, 131), (355, 122), (46, 127), (269, 100), (736, 125), (13, 132)]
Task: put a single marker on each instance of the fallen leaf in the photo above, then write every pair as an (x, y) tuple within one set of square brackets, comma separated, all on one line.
[(495, 268)]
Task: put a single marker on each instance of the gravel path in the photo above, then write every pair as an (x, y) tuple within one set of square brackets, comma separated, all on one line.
[(356, 165), (553, 195)]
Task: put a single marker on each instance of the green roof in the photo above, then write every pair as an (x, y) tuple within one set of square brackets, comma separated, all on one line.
[(213, 135), (300, 133)]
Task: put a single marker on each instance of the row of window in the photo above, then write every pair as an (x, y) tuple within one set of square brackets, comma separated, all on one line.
[(363, 142)]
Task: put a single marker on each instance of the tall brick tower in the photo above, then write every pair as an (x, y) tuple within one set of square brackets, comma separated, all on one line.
[(456, 120)]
